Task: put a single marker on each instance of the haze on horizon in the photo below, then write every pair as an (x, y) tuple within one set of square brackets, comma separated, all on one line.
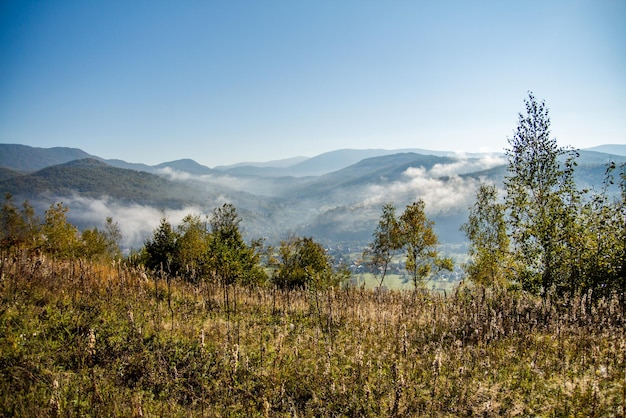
[(226, 82)]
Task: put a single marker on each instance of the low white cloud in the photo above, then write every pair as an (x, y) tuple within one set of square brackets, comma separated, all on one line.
[(441, 188), (223, 180), (466, 165), (136, 222)]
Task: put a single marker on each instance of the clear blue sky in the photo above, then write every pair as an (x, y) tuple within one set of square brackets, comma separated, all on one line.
[(227, 81)]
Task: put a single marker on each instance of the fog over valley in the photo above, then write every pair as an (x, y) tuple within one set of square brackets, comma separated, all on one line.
[(341, 204)]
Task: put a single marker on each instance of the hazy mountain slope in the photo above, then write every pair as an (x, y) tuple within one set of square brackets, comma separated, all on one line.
[(28, 159), (95, 179), (321, 164), (7, 173), (286, 162), (368, 171), (185, 165), (129, 166), (598, 158), (611, 149), (334, 160)]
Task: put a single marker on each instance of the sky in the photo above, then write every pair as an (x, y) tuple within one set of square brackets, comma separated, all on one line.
[(223, 81)]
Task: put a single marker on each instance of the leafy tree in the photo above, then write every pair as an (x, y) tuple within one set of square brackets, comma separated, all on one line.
[(489, 242), (303, 262), (387, 241), (161, 251), (102, 244), (193, 247), (421, 243), (537, 189), (19, 229), (60, 238), (602, 256)]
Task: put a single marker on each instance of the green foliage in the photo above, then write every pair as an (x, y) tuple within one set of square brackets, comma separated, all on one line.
[(162, 250), (387, 241), (413, 233), (303, 262), (533, 196), (193, 248), (420, 241), (600, 257), (560, 240), (19, 229), (489, 242), (197, 253), (230, 259), (103, 244), (60, 238)]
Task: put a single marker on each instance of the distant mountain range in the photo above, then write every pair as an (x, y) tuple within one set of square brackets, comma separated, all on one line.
[(334, 197)]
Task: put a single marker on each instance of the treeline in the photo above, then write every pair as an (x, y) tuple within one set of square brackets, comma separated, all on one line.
[(209, 249), (544, 235), (213, 249), (22, 231)]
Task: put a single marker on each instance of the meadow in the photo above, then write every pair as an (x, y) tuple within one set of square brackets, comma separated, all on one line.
[(90, 339)]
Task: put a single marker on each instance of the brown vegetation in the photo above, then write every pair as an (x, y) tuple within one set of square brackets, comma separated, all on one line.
[(84, 339)]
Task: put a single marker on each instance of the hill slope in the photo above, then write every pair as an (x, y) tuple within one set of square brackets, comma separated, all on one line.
[(93, 178), (28, 159), (612, 149), (321, 164), (185, 165)]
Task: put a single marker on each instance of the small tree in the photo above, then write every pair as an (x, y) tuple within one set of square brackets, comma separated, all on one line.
[(387, 241), (60, 238), (19, 229), (104, 245), (194, 238), (161, 251), (603, 240), (489, 242), (421, 243), (303, 262)]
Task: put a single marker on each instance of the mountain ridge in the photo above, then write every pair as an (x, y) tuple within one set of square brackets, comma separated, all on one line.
[(340, 205)]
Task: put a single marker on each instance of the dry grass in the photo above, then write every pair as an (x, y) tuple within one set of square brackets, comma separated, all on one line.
[(94, 340)]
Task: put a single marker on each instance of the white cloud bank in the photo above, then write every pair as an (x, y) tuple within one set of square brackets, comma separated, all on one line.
[(441, 188), (136, 222)]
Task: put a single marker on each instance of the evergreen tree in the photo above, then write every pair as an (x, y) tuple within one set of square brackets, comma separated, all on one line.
[(161, 251), (229, 258)]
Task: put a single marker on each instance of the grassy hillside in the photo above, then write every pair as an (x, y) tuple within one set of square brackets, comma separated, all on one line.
[(90, 340)]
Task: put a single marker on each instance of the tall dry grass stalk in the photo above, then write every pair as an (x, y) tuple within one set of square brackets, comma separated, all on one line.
[(273, 352)]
